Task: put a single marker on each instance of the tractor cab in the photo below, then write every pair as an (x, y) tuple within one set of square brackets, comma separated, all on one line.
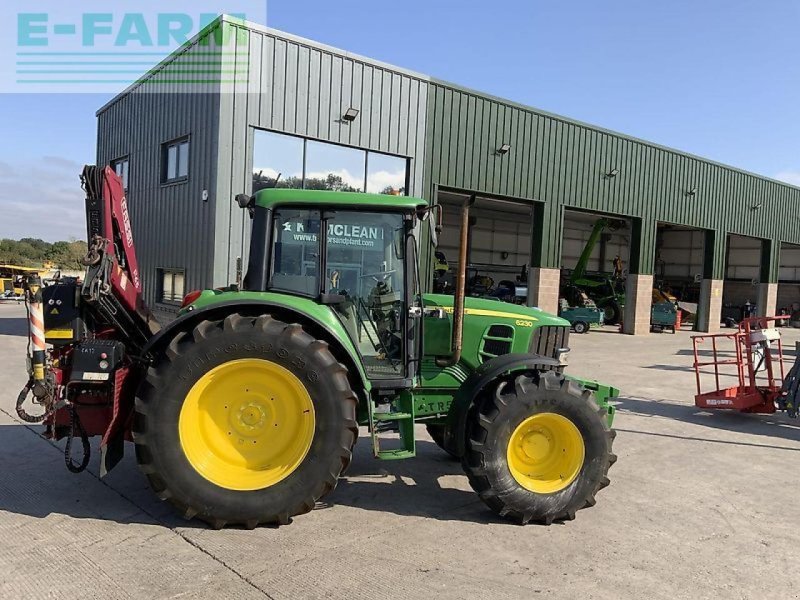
[(355, 253)]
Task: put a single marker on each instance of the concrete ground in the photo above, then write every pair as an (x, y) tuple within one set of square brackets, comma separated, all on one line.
[(700, 505)]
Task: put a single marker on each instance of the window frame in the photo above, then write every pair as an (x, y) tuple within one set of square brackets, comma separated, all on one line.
[(321, 242), (304, 159), (161, 272), (165, 148), (412, 338), (118, 161)]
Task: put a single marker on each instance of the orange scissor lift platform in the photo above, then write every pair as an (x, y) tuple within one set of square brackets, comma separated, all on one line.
[(750, 359)]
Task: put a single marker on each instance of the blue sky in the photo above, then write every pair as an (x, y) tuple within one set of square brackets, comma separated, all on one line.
[(716, 78)]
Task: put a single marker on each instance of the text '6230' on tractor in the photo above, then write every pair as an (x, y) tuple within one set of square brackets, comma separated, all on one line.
[(245, 409)]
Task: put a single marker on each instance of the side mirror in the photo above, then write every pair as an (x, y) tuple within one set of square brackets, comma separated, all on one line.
[(244, 201), (434, 221), (248, 202)]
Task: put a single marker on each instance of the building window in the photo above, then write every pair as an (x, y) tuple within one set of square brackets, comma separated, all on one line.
[(287, 161), (120, 167), (386, 174), (335, 168), (278, 161), (175, 161), (171, 285)]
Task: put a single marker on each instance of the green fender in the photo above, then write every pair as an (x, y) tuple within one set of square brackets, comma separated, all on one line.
[(216, 304), (455, 428)]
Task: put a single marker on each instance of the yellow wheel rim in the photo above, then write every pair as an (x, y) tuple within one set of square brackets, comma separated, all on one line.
[(545, 453), (246, 424)]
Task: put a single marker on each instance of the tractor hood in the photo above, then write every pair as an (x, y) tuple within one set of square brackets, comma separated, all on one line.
[(495, 309), (491, 328)]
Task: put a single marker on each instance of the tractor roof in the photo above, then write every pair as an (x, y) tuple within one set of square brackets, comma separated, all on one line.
[(272, 197)]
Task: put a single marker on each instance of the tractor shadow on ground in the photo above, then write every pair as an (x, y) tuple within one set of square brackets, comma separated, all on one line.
[(35, 483), (432, 485), (777, 426), (13, 326)]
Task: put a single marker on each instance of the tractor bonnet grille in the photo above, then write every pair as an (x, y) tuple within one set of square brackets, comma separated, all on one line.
[(547, 340), (500, 331), (496, 341)]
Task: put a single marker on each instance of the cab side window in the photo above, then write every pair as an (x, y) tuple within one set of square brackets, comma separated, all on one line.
[(295, 257)]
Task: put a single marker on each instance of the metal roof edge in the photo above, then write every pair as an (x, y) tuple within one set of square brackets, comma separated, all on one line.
[(332, 49), (164, 62)]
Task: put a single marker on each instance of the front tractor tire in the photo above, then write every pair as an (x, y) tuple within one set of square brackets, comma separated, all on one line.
[(538, 448), (245, 421)]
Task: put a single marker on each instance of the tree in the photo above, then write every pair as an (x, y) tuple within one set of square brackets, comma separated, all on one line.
[(393, 191), (29, 252), (331, 182)]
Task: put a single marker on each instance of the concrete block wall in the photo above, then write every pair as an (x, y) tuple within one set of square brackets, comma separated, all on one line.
[(767, 299), (638, 303), (710, 305), (543, 288)]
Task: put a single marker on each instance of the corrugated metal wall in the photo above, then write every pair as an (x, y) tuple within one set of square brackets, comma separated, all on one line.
[(564, 164), (301, 88), (172, 225), (451, 136)]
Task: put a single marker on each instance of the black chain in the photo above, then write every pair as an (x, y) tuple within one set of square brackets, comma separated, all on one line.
[(75, 424)]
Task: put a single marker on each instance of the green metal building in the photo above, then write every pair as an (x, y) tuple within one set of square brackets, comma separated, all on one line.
[(306, 114)]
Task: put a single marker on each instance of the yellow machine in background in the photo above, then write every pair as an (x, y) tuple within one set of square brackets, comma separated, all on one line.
[(663, 296), (11, 278)]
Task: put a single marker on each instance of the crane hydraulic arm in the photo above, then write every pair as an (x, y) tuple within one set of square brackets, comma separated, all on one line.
[(97, 329), (112, 281)]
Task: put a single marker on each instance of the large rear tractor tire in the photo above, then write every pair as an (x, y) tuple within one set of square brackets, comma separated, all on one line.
[(538, 448), (245, 421)]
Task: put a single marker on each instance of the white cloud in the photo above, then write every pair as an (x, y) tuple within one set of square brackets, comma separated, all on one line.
[(791, 177), (42, 199), (356, 181), (380, 180)]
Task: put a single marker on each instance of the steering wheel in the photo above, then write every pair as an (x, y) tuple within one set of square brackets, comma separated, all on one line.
[(380, 275)]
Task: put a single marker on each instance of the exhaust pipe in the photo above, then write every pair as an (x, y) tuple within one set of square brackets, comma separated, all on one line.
[(458, 299)]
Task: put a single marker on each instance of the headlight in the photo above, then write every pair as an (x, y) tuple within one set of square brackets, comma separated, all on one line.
[(562, 354)]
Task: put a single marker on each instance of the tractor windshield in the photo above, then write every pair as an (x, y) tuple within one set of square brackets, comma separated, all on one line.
[(365, 264)]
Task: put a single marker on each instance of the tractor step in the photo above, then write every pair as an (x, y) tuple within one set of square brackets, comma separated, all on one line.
[(400, 418), (396, 454)]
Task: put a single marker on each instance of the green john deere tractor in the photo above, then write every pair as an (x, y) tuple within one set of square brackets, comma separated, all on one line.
[(248, 405)]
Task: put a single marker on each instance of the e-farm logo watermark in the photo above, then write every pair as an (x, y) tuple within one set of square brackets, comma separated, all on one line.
[(87, 47)]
